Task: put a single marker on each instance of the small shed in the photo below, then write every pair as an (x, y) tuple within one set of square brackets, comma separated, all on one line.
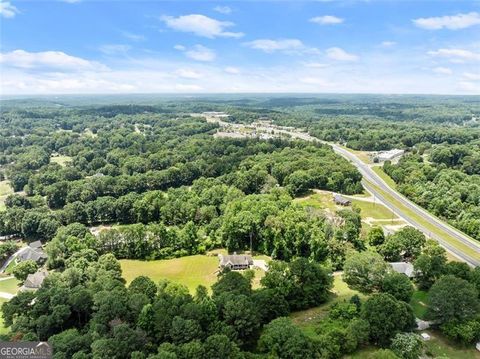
[(339, 199), (403, 268), (235, 261), (425, 336)]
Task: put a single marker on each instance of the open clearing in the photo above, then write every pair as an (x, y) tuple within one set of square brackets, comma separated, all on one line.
[(61, 160), (5, 190), (372, 212), (190, 271), (308, 319)]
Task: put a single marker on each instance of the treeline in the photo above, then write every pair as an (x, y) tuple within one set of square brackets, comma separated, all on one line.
[(88, 311)]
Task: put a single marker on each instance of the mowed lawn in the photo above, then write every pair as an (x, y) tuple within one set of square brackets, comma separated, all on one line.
[(190, 271), (7, 286), (373, 210), (5, 190)]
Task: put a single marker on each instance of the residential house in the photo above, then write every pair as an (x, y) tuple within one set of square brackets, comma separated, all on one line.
[(403, 268), (235, 261), (35, 280), (33, 252)]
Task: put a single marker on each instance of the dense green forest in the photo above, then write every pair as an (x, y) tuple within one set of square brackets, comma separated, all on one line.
[(150, 170)]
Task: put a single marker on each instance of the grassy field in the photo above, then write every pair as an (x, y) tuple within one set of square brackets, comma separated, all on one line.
[(381, 173), (364, 156), (324, 200), (419, 303), (61, 160), (373, 210), (319, 200), (7, 286), (5, 190), (439, 346), (190, 271), (433, 229)]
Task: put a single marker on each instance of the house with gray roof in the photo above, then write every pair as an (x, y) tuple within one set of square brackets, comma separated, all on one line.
[(37, 255), (403, 268), (35, 280), (235, 261)]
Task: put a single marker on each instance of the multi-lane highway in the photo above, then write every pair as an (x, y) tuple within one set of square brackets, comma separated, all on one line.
[(444, 234)]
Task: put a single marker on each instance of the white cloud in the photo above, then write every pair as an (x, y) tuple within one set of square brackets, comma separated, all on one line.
[(472, 76), (223, 9), (188, 74), (314, 81), (7, 9), (200, 25), (268, 45), (180, 47), (114, 49), (71, 1), (455, 22), (456, 55), (188, 87), (442, 70), (336, 53), (231, 70), (50, 60), (315, 65), (132, 36), (388, 43), (197, 52), (471, 87), (327, 20)]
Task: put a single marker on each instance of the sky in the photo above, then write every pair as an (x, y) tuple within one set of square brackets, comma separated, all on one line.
[(324, 46)]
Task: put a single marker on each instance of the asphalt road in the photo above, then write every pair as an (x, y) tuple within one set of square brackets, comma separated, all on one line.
[(370, 176)]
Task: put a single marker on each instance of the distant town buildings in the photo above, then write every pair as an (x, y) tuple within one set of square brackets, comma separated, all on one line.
[(389, 155)]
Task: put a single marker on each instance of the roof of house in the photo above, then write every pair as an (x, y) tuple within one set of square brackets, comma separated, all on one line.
[(403, 268), (235, 259), (340, 199), (30, 253), (35, 280), (36, 244)]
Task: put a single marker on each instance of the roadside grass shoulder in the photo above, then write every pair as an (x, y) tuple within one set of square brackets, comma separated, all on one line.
[(386, 178)]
